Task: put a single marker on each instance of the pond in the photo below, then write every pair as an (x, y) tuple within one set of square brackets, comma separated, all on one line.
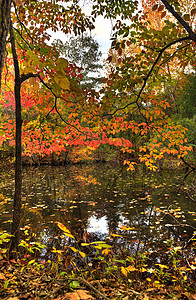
[(138, 210)]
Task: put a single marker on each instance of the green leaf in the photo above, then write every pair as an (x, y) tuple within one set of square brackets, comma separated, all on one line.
[(74, 284), (63, 273), (62, 63), (100, 246), (6, 284), (63, 82)]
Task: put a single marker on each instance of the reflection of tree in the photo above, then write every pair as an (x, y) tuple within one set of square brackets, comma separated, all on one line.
[(73, 194), (78, 220)]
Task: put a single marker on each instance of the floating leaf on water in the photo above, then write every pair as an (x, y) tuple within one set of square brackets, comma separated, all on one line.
[(127, 228)]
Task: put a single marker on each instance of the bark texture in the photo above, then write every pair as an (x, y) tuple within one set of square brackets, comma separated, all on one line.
[(5, 7), (18, 150)]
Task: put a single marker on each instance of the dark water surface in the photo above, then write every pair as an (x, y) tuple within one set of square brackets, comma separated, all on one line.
[(102, 198)]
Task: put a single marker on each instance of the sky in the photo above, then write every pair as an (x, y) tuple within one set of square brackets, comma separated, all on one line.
[(102, 32)]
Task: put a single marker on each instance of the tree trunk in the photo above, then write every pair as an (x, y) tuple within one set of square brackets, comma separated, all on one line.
[(18, 152), (5, 6)]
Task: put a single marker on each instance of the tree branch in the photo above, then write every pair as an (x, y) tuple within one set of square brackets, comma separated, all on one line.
[(24, 77), (192, 35), (156, 61), (22, 25)]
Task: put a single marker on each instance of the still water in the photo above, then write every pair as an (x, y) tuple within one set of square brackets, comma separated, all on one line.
[(100, 200)]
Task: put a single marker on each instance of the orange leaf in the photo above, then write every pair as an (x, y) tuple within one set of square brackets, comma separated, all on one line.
[(2, 277), (78, 295), (127, 228)]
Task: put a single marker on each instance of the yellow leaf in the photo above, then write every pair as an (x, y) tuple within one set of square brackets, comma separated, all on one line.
[(66, 231), (32, 80), (106, 251), (116, 235), (85, 244), (149, 279), (74, 249), (143, 269), (131, 269), (124, 271), (82, 254), (77, 251), (36, 86), (60, 73), (162, 266), (127, 228), (28, 70), (34, 83)]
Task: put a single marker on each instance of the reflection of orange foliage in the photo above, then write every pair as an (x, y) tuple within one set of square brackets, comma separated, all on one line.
[(87, 179), (81, 153)]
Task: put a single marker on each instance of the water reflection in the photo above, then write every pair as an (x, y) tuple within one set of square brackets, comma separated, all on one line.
[(98, 225), (100, 199)]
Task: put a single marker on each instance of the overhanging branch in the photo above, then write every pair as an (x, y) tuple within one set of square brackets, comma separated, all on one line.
[(156, 61), (192, 35)]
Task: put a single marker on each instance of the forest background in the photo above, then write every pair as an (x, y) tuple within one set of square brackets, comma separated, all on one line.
[(143, 111)]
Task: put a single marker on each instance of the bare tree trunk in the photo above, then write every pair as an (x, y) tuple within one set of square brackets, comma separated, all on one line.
[(5, 6), (18, 152)]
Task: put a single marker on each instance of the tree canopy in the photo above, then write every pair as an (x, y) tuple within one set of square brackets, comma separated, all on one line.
[(152, 52)]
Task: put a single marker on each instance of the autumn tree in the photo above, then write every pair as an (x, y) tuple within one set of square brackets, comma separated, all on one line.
[(84, 52), (140, 64), (30, 33)]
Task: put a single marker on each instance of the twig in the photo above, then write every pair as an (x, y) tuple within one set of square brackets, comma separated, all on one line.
[(156, 61), (89, 285)]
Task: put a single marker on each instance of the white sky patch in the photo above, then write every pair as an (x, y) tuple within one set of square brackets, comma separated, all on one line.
[(102, 34), (98, 225)]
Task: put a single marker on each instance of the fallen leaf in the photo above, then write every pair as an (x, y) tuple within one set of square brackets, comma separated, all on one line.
[(78, 295), (2, 276)]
